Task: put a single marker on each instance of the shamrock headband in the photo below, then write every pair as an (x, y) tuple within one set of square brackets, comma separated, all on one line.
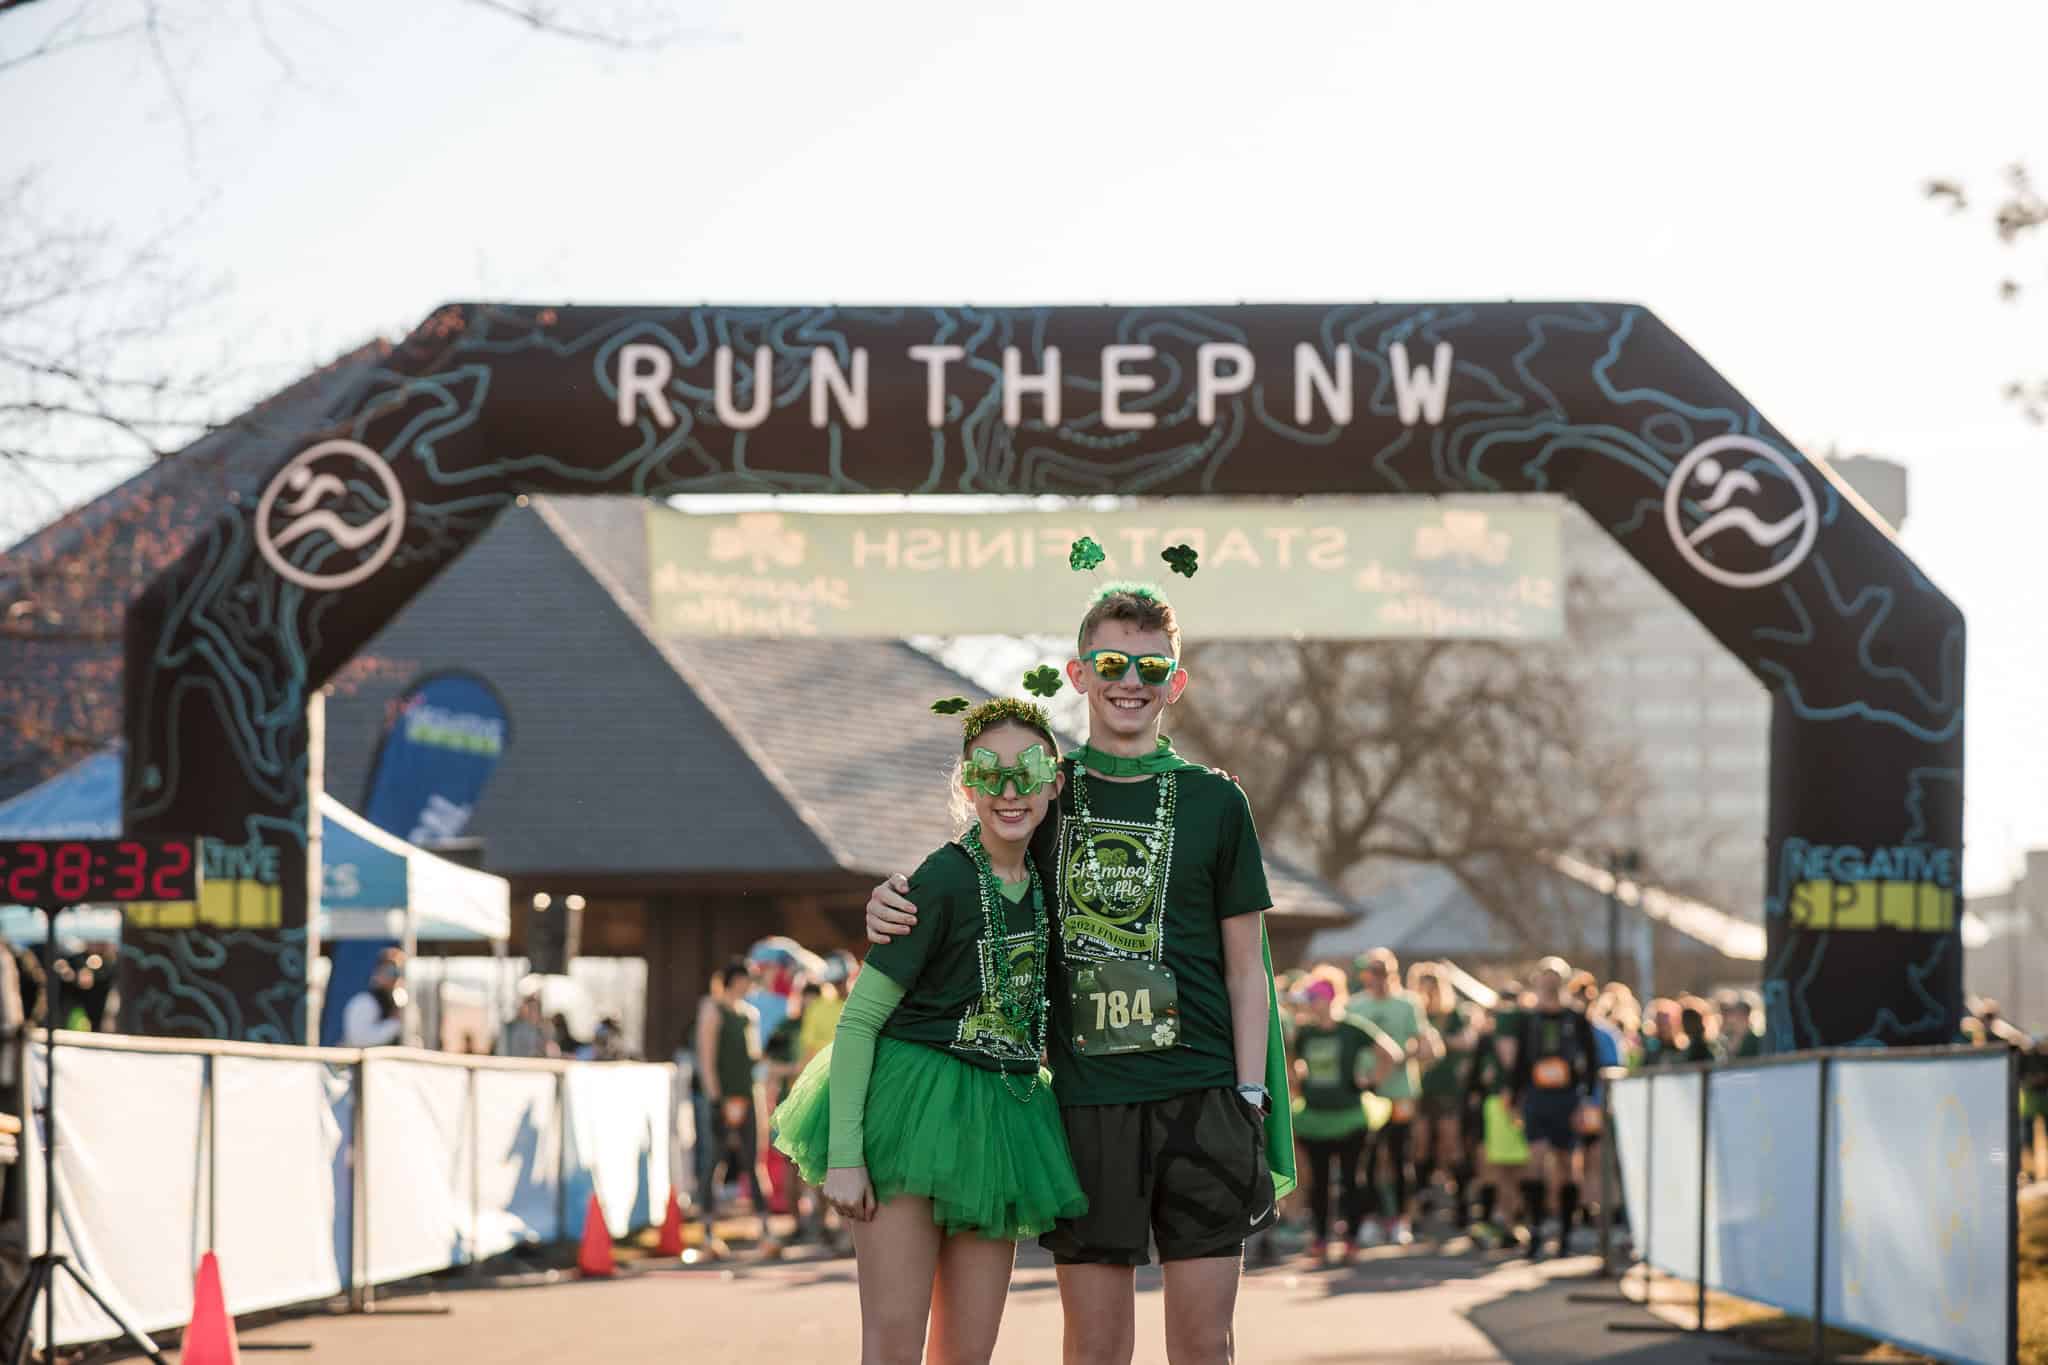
[(996, 711)]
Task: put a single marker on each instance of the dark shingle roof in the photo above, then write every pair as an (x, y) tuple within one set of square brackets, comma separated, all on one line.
[(614, 765)]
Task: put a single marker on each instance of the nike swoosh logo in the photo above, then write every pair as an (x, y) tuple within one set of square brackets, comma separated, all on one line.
[(1259, 1217)]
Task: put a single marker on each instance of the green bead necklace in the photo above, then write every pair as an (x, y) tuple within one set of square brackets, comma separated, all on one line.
[(1025, 1015)]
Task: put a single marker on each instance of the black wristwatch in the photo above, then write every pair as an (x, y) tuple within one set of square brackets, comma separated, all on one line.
[(1258, 1097)]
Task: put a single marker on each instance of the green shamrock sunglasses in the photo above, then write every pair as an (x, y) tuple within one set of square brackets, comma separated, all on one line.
[(984, 772), (1154, 670)]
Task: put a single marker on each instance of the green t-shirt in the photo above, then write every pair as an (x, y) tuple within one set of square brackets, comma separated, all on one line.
[(1330, 1056), (1399, 1016), (1490, 1074), (1214, 871), (1751, 1045), (1445, 1077), (947, 972)]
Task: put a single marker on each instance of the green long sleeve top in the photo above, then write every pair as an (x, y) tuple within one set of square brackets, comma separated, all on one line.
[(869, 1004)]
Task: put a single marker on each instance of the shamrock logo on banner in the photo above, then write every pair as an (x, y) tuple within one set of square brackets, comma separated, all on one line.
[(949, 706), (1085, 555), (1162, 1035), (1181, 558), (1043, 681)]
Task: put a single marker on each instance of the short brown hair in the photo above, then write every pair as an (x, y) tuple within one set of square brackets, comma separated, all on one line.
[(1142, 606)]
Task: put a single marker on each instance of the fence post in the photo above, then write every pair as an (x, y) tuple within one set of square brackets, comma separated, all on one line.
[(476, 1194), (2012, 1209), (209, 1099), (361, 1294), (562, 1152), (1820, 1216), (1706, 1091)]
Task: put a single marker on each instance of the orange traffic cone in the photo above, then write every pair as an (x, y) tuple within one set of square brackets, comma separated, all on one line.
[(210, 1340), (594, 1258), (670, 1243)]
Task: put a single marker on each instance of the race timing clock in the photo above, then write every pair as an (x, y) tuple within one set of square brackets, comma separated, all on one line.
[(58, 872)]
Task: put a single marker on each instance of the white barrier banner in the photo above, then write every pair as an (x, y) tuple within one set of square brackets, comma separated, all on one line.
[(1763, 1133), (1920, 1190), (283, 1211), (128, 1181), (1674, 1210), (519, 1158), (1630, 1101), (621, 1130), (416, 1178)]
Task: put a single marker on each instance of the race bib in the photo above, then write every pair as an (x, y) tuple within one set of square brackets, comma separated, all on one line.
[(1404, 1111), (1124, 1007), (1551, 1073)]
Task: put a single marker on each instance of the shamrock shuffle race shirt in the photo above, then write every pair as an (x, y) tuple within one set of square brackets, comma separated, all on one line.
[(1111, 939), (947, 970)]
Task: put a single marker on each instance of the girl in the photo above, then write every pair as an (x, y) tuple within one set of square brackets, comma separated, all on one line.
[(929, 1121), (1337, 1059)]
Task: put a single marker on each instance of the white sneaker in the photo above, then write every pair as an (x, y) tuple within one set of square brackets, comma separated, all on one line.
[(1403, 1234), (1370, 1234)]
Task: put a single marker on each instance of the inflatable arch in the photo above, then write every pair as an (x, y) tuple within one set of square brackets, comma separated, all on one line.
[(1863, 657)]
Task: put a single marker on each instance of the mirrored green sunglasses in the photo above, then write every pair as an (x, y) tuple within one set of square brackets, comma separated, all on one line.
[(984, 772), (1110, 664)]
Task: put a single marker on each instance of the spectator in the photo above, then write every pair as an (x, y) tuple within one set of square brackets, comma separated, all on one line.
[(1739, 1038), (1693, 1022), (567, 1044), (525, 1035), (375, 1015), (609, 1043), (728, 1050), (1662, 1046)]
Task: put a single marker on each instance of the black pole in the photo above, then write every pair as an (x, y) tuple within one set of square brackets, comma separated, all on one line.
[(1820, 1219), (2012, 1212), (1706, 1091), (51, 988), (1613, 918)]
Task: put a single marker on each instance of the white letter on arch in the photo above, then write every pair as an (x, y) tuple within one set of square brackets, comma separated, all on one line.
[(1210, 382), (1016, 384), (935, 359), (764, 389), (1115, 383), (1421, 391), (1310, 372), (644, 372), (828, 382)]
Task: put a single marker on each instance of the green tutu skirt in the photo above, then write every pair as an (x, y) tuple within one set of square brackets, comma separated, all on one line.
[(948, 1131)]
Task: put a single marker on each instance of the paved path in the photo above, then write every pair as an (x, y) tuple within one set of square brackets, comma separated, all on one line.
[(1415, 1306)]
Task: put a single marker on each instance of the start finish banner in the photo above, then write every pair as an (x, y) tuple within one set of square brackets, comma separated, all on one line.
[(1356, 569)]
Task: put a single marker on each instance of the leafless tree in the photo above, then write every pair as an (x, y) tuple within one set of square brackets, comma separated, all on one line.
[(1480, 756), (2018, 213)]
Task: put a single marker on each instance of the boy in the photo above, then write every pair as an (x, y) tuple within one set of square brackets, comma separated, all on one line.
[(1161, 1002)]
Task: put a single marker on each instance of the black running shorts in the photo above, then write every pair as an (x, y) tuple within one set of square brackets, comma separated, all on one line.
[(1187, 1174)]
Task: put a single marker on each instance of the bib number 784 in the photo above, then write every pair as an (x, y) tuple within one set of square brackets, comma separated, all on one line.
[(1113, 1010), (1123, 1006)]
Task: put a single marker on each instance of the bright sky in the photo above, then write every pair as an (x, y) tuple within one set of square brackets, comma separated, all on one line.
[(1751, 172)]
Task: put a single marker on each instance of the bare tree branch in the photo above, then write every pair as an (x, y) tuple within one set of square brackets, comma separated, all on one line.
[(2021, 212)]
